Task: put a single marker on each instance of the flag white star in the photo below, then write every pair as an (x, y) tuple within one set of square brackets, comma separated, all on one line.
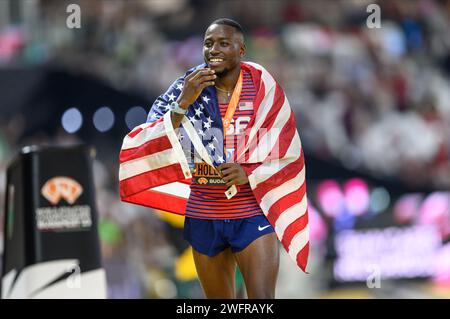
[(160, 103), (192, 119), (198, 112), (206, 99), (154, 116), (180, 86), (207, 125), (201, 133), (209, 120), (220, 159), (211, 146), (201, 106), (215, 139), (171, 97), (167, 107)]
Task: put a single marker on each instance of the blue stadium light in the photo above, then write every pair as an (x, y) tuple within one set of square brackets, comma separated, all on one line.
[(135, 116), (103, 119), (71, 120)]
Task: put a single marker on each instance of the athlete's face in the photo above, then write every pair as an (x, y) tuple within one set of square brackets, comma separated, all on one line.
[(223, 48)]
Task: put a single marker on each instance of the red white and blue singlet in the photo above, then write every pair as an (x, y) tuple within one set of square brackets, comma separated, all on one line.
[(208, 201)]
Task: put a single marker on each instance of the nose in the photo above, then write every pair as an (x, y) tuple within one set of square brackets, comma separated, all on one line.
[(214, 49)]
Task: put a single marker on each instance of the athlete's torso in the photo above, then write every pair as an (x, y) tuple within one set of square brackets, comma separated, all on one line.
[(207, 199)]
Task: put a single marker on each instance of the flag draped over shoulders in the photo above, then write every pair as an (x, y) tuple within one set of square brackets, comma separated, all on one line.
[(155, 159)]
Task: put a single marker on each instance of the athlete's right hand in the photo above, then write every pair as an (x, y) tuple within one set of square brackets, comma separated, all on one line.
[(194, 84)]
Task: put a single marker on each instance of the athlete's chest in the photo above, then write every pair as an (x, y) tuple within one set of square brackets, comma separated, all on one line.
[(241, 117), (223, 98)]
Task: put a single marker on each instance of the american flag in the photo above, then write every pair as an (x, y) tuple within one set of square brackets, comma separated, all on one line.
[(156, 160)]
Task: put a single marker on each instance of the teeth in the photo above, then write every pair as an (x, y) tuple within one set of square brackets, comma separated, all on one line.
[(216, 60)]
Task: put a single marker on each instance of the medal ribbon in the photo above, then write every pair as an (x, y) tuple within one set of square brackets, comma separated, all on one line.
[(232, 106)]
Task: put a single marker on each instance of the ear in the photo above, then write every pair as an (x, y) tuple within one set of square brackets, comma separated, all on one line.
[(242, 50)]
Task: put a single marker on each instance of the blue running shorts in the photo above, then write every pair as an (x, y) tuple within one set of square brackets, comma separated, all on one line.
[(212, 236)]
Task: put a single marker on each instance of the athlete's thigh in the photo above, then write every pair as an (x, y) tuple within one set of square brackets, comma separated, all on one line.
[(259, 263), (216, 273)]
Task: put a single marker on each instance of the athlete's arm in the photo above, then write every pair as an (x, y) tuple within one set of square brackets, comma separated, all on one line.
[(194, 84), (233, 174)]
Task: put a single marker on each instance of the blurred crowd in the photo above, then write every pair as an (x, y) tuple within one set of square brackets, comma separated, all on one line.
[(374, 99)]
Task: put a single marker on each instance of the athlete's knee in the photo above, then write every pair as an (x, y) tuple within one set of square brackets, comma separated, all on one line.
[(261, 293), (260, 288)]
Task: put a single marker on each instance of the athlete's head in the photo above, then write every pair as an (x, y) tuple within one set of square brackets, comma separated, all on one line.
[(223, 46)]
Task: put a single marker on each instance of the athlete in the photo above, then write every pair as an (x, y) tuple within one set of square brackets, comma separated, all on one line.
[(226, 233)]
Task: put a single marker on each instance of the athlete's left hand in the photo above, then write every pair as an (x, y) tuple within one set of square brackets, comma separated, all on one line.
[(233, 174)]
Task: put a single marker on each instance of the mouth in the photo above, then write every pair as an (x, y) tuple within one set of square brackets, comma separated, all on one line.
[(215, 61)]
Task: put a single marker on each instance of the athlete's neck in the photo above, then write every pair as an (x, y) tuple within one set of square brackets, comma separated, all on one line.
[(228, 81)]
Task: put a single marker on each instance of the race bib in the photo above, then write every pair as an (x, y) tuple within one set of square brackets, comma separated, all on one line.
[(205, 174)]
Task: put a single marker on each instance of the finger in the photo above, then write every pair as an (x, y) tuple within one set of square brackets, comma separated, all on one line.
[(202, 72), (229, 170), (207, 83), (230, 183), (230, 177), (208, 77), (193, 74), (202, 79), (226, 179), (226, 165)]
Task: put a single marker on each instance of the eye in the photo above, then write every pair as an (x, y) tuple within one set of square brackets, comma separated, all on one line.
[(207, 44), (224, 43)]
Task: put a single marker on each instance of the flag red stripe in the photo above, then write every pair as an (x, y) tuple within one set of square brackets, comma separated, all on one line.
[(278, 101), (157, 200), (287, 173), (270, 117), (284, 203), (140, 129), (294, 228), (135, 132), (150, 179), (287, 135), (285, 139), (153, 146), (249, 167), (302, 257)]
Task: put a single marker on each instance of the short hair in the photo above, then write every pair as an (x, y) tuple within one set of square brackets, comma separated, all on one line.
[(229, 22)]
